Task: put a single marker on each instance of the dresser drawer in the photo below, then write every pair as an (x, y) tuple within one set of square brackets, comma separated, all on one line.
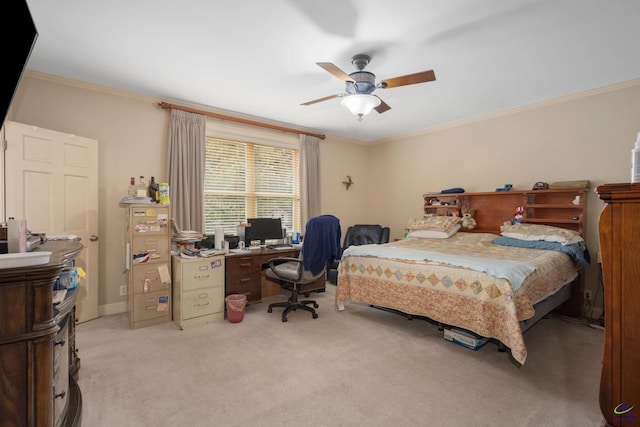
[(201, 302), (61, 373), (203, 274), (150, 274), (151, 305)]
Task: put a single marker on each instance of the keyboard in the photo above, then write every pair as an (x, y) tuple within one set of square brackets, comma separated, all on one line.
[(279, 246)]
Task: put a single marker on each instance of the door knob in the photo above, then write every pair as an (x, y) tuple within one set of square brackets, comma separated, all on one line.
[(93, 238)]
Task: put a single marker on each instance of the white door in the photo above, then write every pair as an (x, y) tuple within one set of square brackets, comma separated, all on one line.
[(51, 180)]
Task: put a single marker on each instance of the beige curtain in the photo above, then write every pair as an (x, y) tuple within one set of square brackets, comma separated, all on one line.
[(309, 177), (186, 169)]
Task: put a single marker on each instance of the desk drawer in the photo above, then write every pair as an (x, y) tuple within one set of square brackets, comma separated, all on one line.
[(151, 305), (241, 266), (149, 220), (206, 273), (157, 247), (248, 284), (151, 275), (202, 302)]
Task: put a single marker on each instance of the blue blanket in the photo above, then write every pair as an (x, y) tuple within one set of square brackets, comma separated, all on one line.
[(321, 242), (577, 251)]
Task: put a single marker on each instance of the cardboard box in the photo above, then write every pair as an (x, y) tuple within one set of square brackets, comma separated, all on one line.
[(464, 338)]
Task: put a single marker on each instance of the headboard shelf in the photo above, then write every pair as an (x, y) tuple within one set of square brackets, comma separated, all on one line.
[(559, 207)]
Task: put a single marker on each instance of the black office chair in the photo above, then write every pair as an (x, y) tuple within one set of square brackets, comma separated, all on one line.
[(299, 275), (359, 234)]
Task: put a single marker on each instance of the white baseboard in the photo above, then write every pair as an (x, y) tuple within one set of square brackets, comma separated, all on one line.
[(115, 308)]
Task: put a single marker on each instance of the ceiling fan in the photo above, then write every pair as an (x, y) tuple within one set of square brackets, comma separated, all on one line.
[(360, 85)]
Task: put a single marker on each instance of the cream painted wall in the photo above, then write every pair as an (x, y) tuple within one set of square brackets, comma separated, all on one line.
[(585, 136), (339, 158), (132, 134)]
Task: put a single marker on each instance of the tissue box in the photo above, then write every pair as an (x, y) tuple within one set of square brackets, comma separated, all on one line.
[(464, 338)]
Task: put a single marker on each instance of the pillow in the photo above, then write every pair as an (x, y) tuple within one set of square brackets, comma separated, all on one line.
[(547, 233), (434, 234), (435, 222)]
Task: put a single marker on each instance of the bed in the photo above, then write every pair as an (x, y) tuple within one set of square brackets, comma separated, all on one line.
[(494, 285)]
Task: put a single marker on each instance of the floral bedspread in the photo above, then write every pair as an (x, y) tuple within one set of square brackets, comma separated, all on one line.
[(462, 297)]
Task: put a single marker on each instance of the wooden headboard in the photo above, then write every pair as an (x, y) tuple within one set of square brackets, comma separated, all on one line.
[(560, 208)]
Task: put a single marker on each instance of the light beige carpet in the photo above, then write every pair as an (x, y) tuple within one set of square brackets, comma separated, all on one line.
[(359, 367)]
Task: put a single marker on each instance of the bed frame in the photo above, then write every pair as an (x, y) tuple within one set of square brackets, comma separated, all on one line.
[(562, 208), (555, 207)]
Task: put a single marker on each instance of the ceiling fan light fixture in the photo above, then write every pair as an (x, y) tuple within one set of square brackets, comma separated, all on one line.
[(360, 105)]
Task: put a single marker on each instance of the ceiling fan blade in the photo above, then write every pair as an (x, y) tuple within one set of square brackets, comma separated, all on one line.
[(329, 67), (382, 107), (409, 79), (320, 99)]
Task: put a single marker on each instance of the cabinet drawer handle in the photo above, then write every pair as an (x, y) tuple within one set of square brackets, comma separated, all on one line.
[(60, 395), (204, 295), (201, 277), (59, 342), (246, 279), (245, 264), (150, 308), (202, 305)]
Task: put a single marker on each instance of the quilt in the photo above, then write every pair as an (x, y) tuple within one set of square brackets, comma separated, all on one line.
[(448, 288)]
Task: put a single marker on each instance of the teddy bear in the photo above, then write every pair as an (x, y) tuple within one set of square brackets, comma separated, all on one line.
[(468, 221)]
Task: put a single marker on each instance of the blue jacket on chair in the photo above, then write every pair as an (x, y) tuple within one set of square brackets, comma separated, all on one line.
[(321, 242)]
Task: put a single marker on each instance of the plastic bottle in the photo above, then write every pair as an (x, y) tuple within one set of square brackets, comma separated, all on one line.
[(163, 192), (635, 161), (132, 187)]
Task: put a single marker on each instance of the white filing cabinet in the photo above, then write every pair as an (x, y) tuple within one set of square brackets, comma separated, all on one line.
[(198, 290), (148, 264)]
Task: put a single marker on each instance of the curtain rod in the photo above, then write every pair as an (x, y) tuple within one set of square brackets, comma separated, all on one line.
[(168, 106)]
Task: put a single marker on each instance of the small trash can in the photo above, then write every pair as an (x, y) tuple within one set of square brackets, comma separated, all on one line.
[(235, 307)]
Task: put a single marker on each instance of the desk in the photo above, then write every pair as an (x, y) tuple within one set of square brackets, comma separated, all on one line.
[(244, 275)]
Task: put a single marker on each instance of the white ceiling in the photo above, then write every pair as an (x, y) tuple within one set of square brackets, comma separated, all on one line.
[(257, 57)]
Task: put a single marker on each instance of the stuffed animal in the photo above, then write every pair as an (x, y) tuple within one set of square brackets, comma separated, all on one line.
[(519, 215), (468, 221)]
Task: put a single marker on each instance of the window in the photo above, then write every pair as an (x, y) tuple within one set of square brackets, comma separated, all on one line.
[(248, 180)]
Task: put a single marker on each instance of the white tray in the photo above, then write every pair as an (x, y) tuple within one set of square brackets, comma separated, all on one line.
[(24, 259)]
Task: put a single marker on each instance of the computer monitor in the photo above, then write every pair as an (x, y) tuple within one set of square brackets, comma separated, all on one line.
[(263, 229)]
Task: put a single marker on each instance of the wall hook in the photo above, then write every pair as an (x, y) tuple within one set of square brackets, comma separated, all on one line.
[(348, 182)]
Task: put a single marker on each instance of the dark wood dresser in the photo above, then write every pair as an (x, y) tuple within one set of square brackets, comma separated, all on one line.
[(619, 230), (38, 360)]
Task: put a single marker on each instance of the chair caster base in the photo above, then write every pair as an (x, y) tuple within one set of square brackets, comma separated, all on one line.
[(293, 305)]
